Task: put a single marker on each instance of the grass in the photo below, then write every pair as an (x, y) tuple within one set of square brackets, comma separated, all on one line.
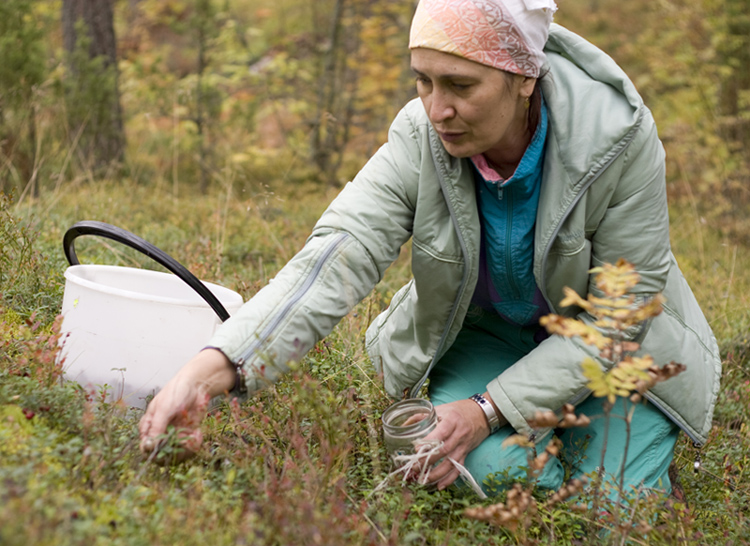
[(295, 464)]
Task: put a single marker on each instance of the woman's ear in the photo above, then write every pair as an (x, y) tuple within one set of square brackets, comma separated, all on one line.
[(527, 87)]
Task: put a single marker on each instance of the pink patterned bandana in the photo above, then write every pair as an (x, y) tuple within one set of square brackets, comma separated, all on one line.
[(505, 34)]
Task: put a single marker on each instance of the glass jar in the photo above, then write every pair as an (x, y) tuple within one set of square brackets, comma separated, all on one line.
[(405, 422)]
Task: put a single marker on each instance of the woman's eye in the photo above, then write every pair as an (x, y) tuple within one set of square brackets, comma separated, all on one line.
[(461, 86)]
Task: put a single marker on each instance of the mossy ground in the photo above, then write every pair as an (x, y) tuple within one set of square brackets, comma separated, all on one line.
[(295, 464)]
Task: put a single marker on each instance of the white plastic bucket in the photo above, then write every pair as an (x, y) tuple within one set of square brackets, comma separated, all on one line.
[(133, 329)]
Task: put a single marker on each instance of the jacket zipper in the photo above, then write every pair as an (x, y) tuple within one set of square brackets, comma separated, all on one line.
[(291, 302), (578, 197), (464, 280), (509, 248)]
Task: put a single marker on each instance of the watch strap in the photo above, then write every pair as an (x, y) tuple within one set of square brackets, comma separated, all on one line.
[(489, 412)]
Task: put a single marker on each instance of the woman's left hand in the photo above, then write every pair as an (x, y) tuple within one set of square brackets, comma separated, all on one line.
[(461, 427)]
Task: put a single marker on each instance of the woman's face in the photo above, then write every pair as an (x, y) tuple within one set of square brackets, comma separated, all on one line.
[(474, 108)]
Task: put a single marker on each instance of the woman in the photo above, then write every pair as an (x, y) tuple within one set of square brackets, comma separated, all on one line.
[(528, 158)]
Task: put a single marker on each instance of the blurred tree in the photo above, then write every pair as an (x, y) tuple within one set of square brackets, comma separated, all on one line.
[(22, 69), (93, 99), (330, 127), (205, 28), (360, 82), (731, 40), (733, 50)]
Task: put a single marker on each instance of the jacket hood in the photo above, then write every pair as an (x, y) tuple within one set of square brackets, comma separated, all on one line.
[(582, 82)]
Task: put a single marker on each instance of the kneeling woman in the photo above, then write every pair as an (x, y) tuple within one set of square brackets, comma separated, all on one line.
[(528, 158)]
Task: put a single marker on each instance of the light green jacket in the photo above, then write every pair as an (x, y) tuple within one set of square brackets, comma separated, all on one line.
[(603, 197)]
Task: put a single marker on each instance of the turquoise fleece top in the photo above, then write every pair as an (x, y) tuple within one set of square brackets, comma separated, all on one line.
[(507, 211)]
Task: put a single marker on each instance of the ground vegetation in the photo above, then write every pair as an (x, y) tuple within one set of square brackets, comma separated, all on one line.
[(243, 119)]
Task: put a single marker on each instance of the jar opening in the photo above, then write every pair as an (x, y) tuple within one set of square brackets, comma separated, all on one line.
[(409, 416)]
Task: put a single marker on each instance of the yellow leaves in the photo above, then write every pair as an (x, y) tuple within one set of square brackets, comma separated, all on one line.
[(623, 313), (613, 313), (629, 372), (597, 378), (649, 309), (572, 298), (518, 440), (621, 380), (616, 280), (618, 312), (567, 327)]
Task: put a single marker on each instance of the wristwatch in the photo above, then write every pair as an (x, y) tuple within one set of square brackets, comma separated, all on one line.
[(489, 412)]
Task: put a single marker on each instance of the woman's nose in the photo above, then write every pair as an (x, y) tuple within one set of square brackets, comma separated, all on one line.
[(440, 107)]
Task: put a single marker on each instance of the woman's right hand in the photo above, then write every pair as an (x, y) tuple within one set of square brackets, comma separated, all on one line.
[(183, 401)]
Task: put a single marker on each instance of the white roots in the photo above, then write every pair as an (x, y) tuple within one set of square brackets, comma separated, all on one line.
[(414, 466)]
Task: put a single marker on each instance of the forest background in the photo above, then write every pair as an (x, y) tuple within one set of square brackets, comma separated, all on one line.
[(219, 130)]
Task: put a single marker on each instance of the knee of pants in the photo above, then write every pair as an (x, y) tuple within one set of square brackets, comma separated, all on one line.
[(649, 446), (496, 467)]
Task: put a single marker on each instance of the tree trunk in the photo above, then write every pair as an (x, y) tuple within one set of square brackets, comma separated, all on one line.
[(325, 124), (92, 93), (202, 20), (734, 54)]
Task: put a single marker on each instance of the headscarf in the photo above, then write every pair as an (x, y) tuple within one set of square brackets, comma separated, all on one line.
[(505, 34)]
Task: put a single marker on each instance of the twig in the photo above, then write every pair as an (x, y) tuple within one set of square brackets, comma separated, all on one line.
[(372, 523), (600, 470), (604, 527), (729, 285), (628, 420), (159, 444), (626, 536)]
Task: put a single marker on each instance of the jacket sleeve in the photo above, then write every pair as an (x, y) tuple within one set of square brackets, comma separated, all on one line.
[(634, 226), (351, 246)]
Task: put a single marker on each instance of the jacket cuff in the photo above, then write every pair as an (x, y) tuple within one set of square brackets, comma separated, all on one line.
[(507, 408), (240, 389)]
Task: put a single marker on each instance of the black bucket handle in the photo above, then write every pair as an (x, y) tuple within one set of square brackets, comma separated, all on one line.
[(101, 229)]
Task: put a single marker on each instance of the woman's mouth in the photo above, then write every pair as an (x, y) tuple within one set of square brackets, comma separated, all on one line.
[(449, 136)]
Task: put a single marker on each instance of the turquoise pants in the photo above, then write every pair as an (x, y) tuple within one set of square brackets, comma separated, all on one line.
[(486, 346)]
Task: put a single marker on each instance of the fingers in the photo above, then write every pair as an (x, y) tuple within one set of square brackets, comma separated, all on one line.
[(461, 428), (413, 419), (144, 424), (445, 472), (144, 427), (445, 432), (440, 471), (153, 425), (183, 401), (449, 478), (158, 422), (164, 409), (190, 443)]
